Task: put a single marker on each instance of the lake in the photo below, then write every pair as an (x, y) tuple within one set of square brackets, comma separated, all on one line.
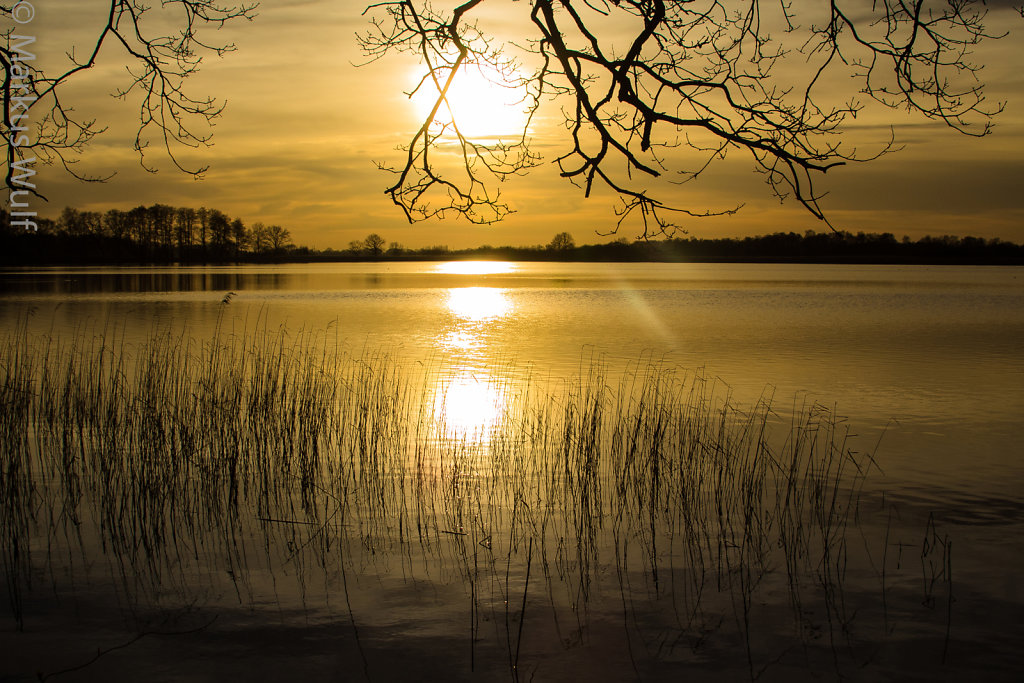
[(916, 371)]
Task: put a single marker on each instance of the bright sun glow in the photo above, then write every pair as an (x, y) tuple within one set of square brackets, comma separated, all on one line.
[(475, 267), (481, 101), (478, 303), (468, 404)]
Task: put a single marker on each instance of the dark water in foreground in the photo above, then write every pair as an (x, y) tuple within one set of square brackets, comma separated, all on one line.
[(543, 528)]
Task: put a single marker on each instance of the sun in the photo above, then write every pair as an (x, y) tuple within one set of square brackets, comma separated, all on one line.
[(482, 101)]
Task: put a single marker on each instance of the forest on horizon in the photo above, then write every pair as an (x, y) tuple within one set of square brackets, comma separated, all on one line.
[(162, 234)]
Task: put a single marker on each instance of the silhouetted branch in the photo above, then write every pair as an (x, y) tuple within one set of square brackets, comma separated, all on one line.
[(426, 187), (647, 84), (161, 54)]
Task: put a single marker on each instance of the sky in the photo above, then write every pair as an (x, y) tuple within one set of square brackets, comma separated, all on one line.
[(305, 126)]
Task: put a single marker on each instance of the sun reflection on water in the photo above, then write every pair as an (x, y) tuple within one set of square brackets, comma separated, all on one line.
[(469, 400), (459, 341), (479, 303), (468, 404)]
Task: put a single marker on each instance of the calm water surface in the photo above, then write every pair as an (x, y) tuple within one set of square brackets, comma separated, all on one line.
[(928, 360), (931, 354)]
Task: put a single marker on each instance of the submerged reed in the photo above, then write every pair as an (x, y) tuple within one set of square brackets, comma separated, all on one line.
[(277, 452)]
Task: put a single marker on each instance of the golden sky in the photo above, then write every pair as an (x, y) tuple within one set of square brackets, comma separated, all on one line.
[(304, 126)]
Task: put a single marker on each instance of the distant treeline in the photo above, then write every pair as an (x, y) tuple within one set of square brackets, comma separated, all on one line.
[(165, 234), (145, 234), (780, 247), (812, 247)]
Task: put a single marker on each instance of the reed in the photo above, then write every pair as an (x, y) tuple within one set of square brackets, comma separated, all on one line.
[(260, 452)]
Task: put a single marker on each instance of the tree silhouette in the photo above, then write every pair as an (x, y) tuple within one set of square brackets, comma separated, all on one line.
[(279, 238), (374, 244), (162, 52), (260, 238), (563, 241), (641, 81), (220, 230)]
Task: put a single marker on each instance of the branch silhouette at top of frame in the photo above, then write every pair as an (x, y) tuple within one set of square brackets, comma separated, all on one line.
[(641, 81), (163, 48)]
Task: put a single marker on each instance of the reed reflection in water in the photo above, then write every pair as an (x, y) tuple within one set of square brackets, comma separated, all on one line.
[(622, 523), (645, 507)]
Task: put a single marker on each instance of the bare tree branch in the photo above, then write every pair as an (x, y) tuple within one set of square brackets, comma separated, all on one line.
[(645, 85), (159, 61), (423, 187)]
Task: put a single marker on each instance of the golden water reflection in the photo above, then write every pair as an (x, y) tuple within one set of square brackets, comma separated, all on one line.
[(475, 267), (469, 398), (459, 341), (479, 303), (468, 404)]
